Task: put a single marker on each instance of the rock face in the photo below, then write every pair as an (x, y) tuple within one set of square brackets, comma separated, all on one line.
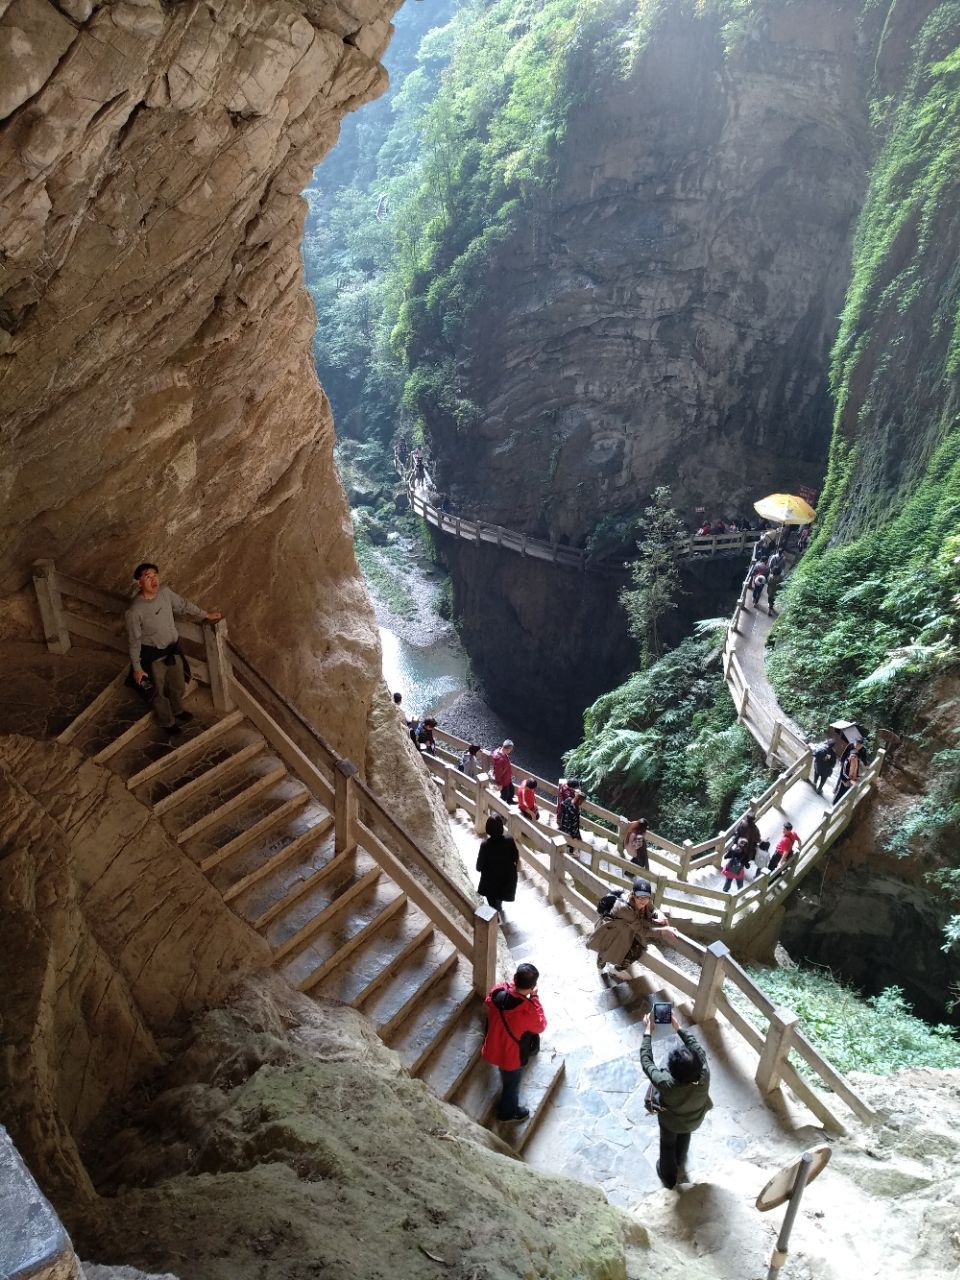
[(158, 396), (117, 938), (664, 315)]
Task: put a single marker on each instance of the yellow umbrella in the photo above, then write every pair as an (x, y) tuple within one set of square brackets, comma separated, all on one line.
[(785, 508)]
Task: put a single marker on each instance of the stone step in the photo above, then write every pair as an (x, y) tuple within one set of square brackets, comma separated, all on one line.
[(186, 750), (408, 986), (123, 722), (370, 965), (203, 774), (431, 1020), (342, 928), (254, 825), (329, 887), (478, 1095), (263, 860), (294, 871), (241, 788), (94, 709), (389, 902), (448, 1067)]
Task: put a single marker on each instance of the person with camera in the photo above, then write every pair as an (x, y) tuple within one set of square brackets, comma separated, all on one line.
[(515, 1019), (682, 1095)]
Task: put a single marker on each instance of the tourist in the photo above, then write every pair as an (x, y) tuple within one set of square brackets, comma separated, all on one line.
[(785, 846), (803, 537), (682, 1098), (498, 862), (747, 829), (527, 800), (398, 703), (513, 1008), (158, 666), (402, 452), (824, 758), (635, 843), (502, 772), (850, 767), (704, 530), (569, 820), (468, 761), (419, 469), (422, 735), (735, 865), (565, 789), (621, 937), (758, 580)]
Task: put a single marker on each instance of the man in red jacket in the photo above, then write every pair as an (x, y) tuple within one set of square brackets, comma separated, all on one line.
[(512, 1008)]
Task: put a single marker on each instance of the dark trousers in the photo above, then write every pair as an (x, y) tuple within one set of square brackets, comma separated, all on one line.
[(727, 883), (169, 684), (821, 774), (507, 793), (496, 903), (509, 1103), (673, 1155), (843, 786)]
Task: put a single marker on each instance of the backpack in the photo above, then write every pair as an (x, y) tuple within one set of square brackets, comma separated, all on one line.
[(608, 902)]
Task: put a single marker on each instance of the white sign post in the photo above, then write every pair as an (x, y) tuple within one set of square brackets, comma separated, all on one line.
[(786, 1187)]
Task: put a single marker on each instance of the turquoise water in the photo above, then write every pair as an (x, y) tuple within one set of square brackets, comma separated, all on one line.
[(430, 678)]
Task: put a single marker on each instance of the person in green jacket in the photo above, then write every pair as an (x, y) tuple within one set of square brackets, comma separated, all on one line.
[(684, 1089)]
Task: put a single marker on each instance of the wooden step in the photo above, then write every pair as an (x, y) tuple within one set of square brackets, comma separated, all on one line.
[(431, 1021), (392, 1002), (184, 751), (356, 940), (197, 786), (312, 836), (92, 709), (339, 931), (385, 953), (448, 1067), (316, 922), (251, 834), (139, 725), (236, 801)]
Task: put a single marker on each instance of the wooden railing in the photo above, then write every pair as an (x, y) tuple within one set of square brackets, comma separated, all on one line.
[(571, 883), (478, 531), (360, 817)]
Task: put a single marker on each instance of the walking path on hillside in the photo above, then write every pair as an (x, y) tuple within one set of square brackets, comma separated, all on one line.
[(595, 1129)]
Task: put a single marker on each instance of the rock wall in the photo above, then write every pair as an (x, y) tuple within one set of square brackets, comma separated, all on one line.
[(158, 395)]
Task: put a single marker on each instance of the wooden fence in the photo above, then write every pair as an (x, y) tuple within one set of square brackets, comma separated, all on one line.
[(70, 607)]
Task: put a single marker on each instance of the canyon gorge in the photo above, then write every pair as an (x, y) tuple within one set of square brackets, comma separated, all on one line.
[(708, 245)]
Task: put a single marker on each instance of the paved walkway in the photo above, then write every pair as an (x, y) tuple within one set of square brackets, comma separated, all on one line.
[(595, 1128), (749, 644)]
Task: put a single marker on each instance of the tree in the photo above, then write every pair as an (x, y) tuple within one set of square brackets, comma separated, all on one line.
[(654, 575)]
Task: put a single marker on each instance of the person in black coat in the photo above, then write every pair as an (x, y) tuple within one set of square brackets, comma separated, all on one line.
[(498, 862)]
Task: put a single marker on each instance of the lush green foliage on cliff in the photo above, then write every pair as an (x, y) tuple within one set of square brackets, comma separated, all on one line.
[(667, 745)]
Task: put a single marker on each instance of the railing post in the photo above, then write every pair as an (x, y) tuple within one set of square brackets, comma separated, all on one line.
[(449, 788), (773, 1056), (480, 805), (344, 806), (729, 908), (774, 743), (51, 606), (719, 846), (218, 662), (744, 699), (659, 889), (711, 981), (557, 876), (622, 824), (485, 923), (685, 860)]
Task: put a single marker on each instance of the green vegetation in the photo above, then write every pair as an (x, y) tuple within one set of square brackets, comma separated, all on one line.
[(654, 574), (876, 1034), (666, 744)]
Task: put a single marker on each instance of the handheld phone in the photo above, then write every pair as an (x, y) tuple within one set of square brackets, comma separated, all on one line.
[(662, 1012)]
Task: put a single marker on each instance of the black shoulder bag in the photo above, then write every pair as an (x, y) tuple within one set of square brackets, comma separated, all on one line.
[(528, 1044)]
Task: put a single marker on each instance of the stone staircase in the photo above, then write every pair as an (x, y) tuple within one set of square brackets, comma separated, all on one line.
[(339, 927)]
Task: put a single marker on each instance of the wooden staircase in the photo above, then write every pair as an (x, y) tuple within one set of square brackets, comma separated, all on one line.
[(339, 926)]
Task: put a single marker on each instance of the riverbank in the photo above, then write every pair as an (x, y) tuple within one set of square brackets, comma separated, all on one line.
[(424, 660)]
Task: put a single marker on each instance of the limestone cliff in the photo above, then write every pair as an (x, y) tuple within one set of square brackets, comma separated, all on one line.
[(158, 395)]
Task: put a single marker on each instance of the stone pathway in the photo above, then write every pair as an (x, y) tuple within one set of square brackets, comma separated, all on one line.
[(595, 1129), (749, 644)]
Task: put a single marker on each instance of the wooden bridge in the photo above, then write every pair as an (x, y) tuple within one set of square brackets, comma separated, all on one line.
[(495, 535), (313, 860)]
